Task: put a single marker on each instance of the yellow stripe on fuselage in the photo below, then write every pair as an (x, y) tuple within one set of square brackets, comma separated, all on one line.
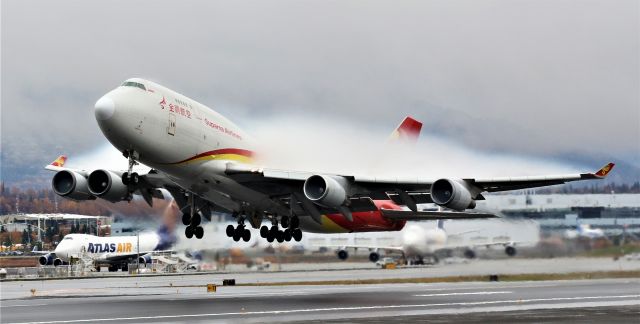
[(330, 226)]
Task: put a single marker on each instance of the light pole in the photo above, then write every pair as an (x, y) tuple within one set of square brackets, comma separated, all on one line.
[(138, 252)]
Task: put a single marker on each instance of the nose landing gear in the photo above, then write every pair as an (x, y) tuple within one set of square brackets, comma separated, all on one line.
[(192, 219)]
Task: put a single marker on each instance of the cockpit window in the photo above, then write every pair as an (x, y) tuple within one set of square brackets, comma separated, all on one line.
[(68, 238), (134, 84)]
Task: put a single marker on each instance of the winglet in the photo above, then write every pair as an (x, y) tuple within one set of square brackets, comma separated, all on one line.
[(407, 131), (605, 170), (59, 162)]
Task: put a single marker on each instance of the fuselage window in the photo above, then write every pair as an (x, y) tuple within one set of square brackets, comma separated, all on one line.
[(134, 84)]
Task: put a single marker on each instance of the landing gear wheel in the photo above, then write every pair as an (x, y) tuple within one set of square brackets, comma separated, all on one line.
[(195, 220), (199, 232), (134, 178), (280, 236), (236, 236), (246, 235), (273, 231), (125, 178), (230, 230), (295, 222), (287, 235), (186, 219), (264, 231), (297, 234), (284, 221), (270, 237), (188, 232)]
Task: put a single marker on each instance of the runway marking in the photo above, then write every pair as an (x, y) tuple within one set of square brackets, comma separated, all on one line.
[(466, 293), (333, 309)]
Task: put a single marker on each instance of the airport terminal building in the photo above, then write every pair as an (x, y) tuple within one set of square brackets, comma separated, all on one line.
[(613, 213)]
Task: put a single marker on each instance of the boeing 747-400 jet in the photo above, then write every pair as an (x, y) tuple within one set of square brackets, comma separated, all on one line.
[(207, 163)]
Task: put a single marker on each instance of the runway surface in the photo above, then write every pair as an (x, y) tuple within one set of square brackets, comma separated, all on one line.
[(162, 300)]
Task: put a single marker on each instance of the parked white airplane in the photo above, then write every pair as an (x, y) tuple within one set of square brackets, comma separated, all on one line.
[(584, 230), (207, 163), (418, 242)]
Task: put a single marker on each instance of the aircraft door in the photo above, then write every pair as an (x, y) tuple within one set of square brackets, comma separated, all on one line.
[(171, 129)]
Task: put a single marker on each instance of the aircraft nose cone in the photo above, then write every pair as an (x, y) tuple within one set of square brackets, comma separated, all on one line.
[(105, 107)]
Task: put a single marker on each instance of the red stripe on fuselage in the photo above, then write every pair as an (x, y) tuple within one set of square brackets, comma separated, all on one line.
[(241, 152)]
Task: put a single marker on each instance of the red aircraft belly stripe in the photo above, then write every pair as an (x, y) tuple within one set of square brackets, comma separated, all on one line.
[(241, 152)]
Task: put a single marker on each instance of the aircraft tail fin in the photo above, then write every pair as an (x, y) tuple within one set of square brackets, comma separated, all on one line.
[(408, 131)]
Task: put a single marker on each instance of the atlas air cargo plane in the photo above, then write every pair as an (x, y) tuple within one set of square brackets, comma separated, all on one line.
[(116, 251), (208, 164)]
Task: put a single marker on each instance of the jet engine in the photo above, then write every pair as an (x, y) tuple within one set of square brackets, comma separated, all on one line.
[(326, 191), (374, 257), (108, 186), (71, 185), (452, 194), (343, 254), (58, 262), (510, 250), (46, 259), (144, 259)]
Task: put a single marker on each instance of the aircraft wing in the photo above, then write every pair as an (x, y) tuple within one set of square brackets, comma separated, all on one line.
[(431, 215), (416, 185), (485, 244), (398, 249), (122, 256), (288, 186)]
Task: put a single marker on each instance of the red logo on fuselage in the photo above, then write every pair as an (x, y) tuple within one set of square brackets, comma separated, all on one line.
[(163, 102)]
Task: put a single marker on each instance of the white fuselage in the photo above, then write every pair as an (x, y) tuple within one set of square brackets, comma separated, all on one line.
[(189, 142), (420, 241), (103, 248)]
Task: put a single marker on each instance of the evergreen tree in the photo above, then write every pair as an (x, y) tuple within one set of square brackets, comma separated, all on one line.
[(25, 236)]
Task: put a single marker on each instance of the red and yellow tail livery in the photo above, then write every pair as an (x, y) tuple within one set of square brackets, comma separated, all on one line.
[(59, 162)]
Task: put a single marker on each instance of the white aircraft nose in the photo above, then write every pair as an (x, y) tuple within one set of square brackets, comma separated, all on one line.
[(61, 253), (105, 107)]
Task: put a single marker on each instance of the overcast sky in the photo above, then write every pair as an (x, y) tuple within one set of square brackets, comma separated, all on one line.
[(525, 77)]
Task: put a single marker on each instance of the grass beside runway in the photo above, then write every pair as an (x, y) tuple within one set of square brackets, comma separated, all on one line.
[(505, 277)]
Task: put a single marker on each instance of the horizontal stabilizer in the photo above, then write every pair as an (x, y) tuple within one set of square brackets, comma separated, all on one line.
[(431, 215)]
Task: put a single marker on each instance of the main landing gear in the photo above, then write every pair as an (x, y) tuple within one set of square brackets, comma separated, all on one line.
[(239, 232), (291, 230), (193, 225)]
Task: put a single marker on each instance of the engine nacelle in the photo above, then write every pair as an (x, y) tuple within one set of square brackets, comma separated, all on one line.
[(510, 250), (452, 194), (326, 190), (46, 259), (343, 254), (108, 186), (71, 185), (374, 257), (144, 259)]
